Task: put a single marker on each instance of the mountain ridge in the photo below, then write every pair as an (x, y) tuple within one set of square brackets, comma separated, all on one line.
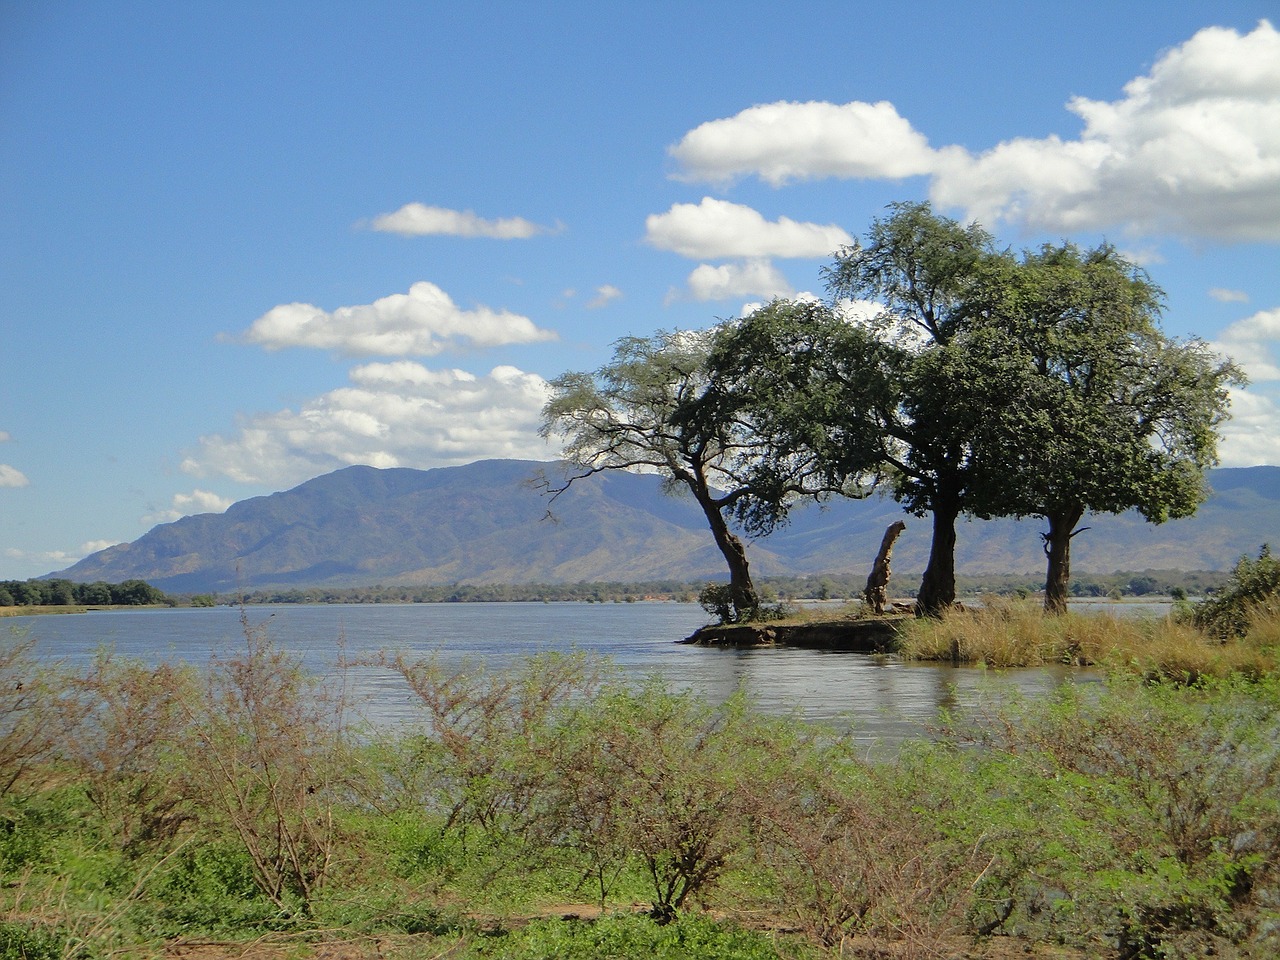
[(486, 522)]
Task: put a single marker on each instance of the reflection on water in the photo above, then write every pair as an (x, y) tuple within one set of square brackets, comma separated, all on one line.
[(879, 698)]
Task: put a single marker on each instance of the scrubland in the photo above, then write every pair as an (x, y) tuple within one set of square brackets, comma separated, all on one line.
[(553, 810)]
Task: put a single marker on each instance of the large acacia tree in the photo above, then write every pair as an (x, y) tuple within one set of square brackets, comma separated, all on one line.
[(919, 268), (1107, 413), (658, 407)]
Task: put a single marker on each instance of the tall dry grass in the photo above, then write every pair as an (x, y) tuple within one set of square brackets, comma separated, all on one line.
[(1012, 633)]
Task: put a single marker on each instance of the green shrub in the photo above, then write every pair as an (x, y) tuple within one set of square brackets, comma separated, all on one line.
[(1157, 817), (211, 888), (1253, 591), (34, 941), (626, 937)]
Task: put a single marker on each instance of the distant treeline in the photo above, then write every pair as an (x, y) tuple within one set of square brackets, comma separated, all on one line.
[(1146, 583), (64, 593)]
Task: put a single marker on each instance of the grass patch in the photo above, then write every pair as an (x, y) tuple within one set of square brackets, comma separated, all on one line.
[(1005, 633)]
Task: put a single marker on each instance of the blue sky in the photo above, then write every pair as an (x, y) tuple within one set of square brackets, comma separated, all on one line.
[(249, 243)]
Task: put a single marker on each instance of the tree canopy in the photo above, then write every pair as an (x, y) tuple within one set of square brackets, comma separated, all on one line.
[(658, 407), (1109, 414), (965, 380)]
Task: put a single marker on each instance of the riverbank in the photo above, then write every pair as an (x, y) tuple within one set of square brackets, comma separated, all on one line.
[(40, 610), (847, 634), (580, 809)]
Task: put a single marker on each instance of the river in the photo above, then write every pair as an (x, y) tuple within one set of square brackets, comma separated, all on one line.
[(881, 700)]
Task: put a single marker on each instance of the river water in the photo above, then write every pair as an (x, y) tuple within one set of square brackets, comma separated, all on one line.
[(882, 700)]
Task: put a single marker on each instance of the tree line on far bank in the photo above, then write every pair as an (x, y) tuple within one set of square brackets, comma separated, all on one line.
[(833, 586), (962, 379), (64, 593)]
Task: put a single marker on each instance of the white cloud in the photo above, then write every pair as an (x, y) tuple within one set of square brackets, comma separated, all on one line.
[(750, 278), (423, 322), (393, 414), (785, 141), (1192, 148), (44, 558), (1222, 295), (188, 504), (605, 295), (420, 220), (1250, 438), (93, 546), (12, 477), (1250, 343), (716, 229), (4, 436)]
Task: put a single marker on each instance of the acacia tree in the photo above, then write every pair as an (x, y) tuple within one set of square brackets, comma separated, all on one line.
[(657, 407), (919, 268), (1108, 414)]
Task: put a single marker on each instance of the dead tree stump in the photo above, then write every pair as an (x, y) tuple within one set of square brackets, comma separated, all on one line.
[(877, 592)]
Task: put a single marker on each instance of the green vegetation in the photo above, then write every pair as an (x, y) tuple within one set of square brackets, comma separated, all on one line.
[(64, 593), (1230, 633), (1148, 584), (239, 803), (985, 385)]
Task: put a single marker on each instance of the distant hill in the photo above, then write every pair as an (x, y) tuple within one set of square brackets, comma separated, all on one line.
[(486, 523)]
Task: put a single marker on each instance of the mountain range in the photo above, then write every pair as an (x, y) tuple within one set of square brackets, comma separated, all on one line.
[(488, 522)]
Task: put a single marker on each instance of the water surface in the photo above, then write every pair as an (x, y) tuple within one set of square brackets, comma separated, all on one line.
[(881, 699)]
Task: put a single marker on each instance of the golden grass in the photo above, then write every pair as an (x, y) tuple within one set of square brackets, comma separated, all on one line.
[(31, 610), (1008, 633)]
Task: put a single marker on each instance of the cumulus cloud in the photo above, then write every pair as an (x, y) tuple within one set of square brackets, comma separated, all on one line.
[(1251, 342), (1223, 295), (730, 281), (420, 220), (423, 322), (716, 229), (605, 295), (188, 504), (786, 141), (1249, 438), (1192, 148), (393, 414), (12, 477)]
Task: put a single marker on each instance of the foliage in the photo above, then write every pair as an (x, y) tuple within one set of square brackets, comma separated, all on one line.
[(265, 748), (621, 937), (37, 711), (1135, 819), (33, 941), (131, 767), (59, 593), (658, 406), (1164, 812), (1252, 593), (1108, 414)]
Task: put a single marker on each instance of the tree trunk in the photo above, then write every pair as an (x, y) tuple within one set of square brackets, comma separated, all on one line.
[(877, 591), (938, 588), (1057, 547), (741, 590)]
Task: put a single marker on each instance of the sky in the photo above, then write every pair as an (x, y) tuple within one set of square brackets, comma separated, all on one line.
[(244, 244)]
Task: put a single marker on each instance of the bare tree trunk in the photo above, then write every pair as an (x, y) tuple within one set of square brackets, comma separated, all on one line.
[(938, 587), (1057, 547), (742, 591), (877, 591)]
